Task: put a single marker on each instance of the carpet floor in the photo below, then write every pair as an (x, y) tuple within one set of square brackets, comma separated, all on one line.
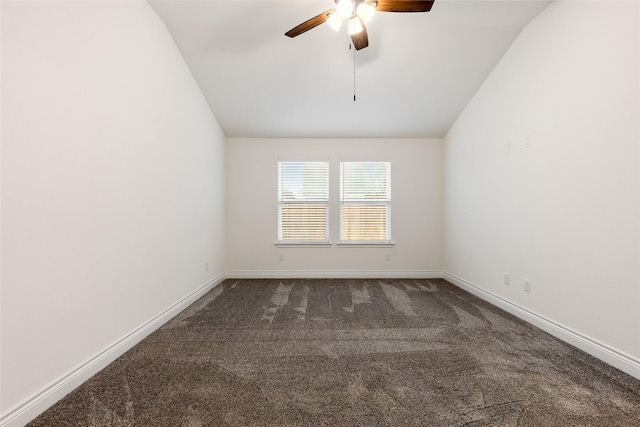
[(330, 352)]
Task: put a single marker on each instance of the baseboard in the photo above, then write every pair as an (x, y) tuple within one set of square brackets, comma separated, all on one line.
[(334, 274), (609, 355), (34, 406)]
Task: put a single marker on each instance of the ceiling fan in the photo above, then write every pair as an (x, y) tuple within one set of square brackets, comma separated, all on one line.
[(357, 13)]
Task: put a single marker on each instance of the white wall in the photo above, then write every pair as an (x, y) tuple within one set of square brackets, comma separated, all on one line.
[(112, 185), (416, 209), (563, 213)]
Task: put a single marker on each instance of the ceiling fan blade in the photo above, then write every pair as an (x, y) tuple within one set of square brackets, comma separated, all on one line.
[(361, 39), (404, 5), (309, 24)]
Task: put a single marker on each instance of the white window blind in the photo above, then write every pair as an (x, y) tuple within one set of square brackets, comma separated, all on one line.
[(365, 201), (303, 202)]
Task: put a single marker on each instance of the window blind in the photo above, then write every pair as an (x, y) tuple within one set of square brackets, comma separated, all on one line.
[(303, 201), (365, 201)]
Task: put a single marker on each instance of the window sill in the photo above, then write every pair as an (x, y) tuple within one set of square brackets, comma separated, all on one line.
[(366, 244), (303, 244)]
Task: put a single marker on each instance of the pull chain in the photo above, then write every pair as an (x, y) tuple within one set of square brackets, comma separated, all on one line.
[(354, 75), (354, 72), (354, 62)]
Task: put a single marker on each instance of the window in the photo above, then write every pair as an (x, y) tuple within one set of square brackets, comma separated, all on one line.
[(365, 202), (303, 202)]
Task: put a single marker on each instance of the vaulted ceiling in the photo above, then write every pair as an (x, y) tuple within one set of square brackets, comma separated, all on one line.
[(417, 75)]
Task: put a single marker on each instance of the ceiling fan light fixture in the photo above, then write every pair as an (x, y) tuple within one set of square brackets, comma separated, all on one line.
[(357, 13), (345, 8), (335, 20), (354, 26), (365, 11)]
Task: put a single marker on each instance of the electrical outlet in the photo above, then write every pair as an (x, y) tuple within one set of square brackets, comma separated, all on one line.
[(507, 279), (507, 148), (527, 142), (206, 266), (388, 257), (527, 285), (280, 257)]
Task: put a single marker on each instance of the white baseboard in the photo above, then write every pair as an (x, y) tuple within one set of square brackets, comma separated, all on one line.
[(624, 362), (34, 406), (334, 274)]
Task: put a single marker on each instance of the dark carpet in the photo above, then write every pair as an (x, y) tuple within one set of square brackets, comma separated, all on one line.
[(349, 353)]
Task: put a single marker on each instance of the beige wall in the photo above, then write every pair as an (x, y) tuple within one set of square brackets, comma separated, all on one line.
[(118, 187), (416, 209), (112, 186), (563, 213)]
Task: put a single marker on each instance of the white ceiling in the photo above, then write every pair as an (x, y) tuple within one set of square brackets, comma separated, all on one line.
[(417, 75)]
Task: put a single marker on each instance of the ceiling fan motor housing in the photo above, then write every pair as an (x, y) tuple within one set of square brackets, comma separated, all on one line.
[(357, 13)]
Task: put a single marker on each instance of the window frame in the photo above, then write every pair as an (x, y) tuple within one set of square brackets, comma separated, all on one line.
[(308, 201), (387, 242)]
